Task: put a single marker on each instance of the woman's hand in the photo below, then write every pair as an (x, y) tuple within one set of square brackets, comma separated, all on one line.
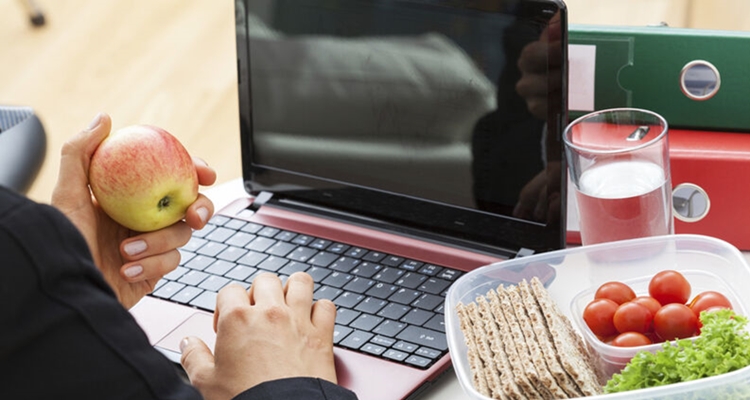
[(271, 332), (131, 262)]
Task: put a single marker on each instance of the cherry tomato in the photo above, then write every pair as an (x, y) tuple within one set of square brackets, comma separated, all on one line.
[(649, 302), (709, 299), (598, 316), (633, 317), (631, 339), (675, 321), (669, 287), (615, 291)]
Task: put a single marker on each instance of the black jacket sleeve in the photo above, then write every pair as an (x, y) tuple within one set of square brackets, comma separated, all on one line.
[(64, 335), (297, 388)]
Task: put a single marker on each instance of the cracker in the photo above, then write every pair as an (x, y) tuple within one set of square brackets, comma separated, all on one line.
[(507, 381), (472, 355)]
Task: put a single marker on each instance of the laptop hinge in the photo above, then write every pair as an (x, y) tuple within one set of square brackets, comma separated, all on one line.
[(259, 200), (523, 252)]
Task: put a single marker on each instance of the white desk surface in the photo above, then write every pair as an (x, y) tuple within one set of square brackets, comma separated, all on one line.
[(444, 388)]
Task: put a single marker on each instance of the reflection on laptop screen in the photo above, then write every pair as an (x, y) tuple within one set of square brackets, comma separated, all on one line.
[(439, 116)]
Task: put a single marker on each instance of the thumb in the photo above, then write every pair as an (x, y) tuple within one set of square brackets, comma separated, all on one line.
[(196, 357), (73, 177)]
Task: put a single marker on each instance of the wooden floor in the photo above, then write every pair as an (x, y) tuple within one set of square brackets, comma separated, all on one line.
[(172, 63), (169, 63)]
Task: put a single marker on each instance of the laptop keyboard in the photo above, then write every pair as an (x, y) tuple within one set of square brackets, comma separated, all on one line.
[(388, 306)]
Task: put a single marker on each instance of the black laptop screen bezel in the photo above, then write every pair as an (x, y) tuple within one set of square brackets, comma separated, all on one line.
[(480, 230)]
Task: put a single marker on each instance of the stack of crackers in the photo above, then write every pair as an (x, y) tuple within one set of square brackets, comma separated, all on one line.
[(520, 346)]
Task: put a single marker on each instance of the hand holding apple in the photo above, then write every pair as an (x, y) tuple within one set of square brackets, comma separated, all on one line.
[(131, 262), (143, 178)]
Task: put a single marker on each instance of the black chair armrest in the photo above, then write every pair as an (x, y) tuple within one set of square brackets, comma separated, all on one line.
[(23, 146)]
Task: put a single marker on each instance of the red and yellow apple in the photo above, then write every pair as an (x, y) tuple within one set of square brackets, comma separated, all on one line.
[(143, 178)]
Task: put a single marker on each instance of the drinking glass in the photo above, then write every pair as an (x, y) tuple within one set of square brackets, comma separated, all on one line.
[(618, 161)]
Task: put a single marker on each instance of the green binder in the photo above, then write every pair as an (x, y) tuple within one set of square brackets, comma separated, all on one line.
[(642, 67)]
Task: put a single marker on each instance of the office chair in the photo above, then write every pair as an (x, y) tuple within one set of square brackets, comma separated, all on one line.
[(23, 145)]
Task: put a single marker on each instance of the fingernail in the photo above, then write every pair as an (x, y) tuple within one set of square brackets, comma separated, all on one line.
[(135, 247), (183, 344), (132, 272), (95, 122), (202, 161), (203, 214)]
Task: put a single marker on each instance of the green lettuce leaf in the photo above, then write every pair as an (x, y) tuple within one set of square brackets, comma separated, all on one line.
[(723, 346)]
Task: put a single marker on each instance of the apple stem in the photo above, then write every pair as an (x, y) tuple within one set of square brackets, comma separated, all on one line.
[(164, 202)]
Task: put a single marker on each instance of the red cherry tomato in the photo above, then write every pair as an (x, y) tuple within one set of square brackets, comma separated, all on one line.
[(669, 287), (633, 317), (709, 299), (675, 321), (649, 302), (631, 339), (598, 316), (615, 291)]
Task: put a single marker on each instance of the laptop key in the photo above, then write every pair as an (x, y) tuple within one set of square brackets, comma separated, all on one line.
[(285, 236), (220, 267), (231, 253), (449, 274), (428, 353), (319, 244), (382, 290), (345, 316), (337, 248), (389, 328), (240, 272), (294, 266), (260, 244), (373, 349), (436, 323), (418, 361), (404, 296), (337, 279), (411, 280), (374, 256), (389, 275), (424, 337), (355, 252), (430, 269), (340, 332), (356, 339), (186, 294), (220, 234), (252, 258), (194, 244), (417, 317), (281, 249), (302, 254), (211, 249), (327, 292), (251, 227), (405, 346), (213, 283), (371, 305), (272, 263), (302, 240), (269, 232), (235, 224), (200, 262), (240, 239), (394, 311), (395, 355), (366, 269), (176, 273), (168, 290), (393, 261), (383, 341), (348, 299), (344, 264), (428, 302), (205, 231), (434, 285), (323, 259), (318, 273), (411, 265), (193, 278), (366, 322), (359, 285)]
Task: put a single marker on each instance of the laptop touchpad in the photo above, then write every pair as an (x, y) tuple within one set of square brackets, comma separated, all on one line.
[(198, 324)]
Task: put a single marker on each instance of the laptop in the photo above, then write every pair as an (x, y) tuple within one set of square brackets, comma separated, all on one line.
[(387, 149)]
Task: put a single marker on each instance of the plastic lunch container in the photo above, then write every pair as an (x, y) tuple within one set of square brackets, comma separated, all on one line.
[(573, 275)]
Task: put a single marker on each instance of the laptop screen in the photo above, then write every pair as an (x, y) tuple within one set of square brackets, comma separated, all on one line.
[(434, 116)]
